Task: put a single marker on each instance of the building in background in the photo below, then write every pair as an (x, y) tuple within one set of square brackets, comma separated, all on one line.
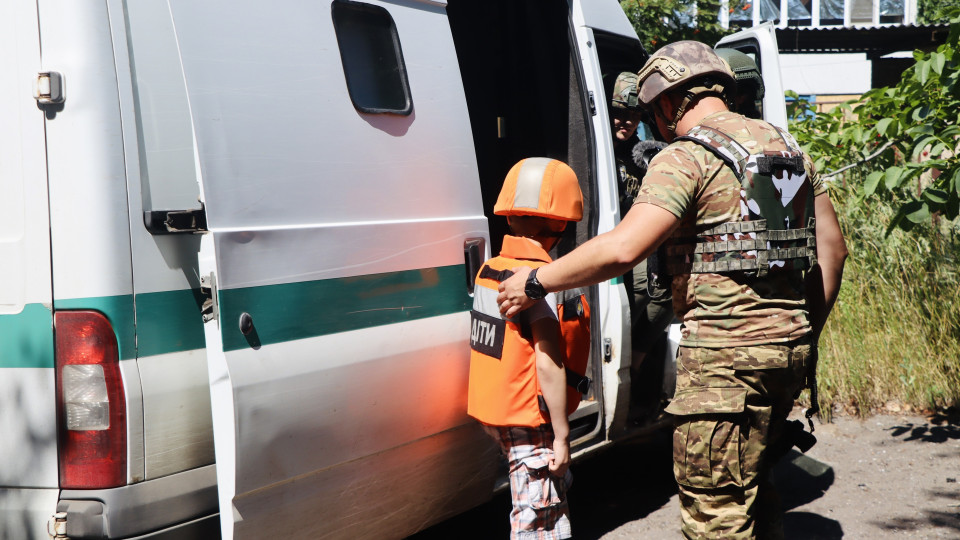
[(835, 50)]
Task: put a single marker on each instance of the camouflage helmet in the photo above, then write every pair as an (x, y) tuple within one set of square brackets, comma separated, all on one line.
[(744, 70), (625, 91), (679, 64), (541, 187)]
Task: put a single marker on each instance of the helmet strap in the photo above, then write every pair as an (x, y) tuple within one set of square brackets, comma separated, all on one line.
[(689, 97), (681, 110)]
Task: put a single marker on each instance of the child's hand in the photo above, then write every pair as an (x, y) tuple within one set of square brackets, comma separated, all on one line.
[(561, 457)]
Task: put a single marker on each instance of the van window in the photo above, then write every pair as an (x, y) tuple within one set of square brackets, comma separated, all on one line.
[(372, 59), (165, 132)]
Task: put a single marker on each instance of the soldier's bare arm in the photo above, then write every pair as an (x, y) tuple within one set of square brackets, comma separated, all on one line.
[(603, 257), (823, 282), (553, 385)]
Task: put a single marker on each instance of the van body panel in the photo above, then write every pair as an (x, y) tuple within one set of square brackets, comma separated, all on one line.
[(606, 16), (426, 396), (90, 244), (383, 483), (160, 175), (89, 232), (250, 261), (28, 445), (24, 512), (295, 133), (760, 43), (29, 419), (139, 508), (176, 416)]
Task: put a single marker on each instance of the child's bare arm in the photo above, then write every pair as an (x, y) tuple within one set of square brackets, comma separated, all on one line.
[(553, 384)]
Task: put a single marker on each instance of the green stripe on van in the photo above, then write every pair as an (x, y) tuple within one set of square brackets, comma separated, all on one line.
[(26, 338), (294, 311), (169, 322)]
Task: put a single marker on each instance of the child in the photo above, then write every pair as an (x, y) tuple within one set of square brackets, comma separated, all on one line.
[(517, 384)]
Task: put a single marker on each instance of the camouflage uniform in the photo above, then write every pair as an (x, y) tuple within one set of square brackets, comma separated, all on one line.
[(744, 353)]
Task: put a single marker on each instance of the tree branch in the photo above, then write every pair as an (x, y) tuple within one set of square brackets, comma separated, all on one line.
[(888, 144)]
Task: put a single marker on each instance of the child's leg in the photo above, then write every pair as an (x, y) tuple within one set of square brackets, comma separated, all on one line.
[(540, 508)]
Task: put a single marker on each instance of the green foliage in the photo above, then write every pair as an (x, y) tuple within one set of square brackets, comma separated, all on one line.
[(659, 22), (894, 333), (897, 145), (934, 11)]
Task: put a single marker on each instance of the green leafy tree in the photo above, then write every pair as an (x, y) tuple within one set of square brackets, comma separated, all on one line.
[(900, 144), (934, 11), (659, 22)]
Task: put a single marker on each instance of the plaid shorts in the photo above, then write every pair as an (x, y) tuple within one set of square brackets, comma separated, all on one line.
[(540, 508)]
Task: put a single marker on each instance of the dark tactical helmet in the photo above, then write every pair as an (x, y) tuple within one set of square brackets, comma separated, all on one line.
[(688, 66), (625, 91), (749, 82)]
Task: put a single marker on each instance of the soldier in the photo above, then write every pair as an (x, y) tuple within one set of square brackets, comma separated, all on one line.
[(625, 115), (748, 100), (650, 302), (736, 199)]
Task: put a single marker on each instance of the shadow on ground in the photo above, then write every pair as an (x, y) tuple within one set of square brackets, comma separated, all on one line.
[(615, 486), (630, 481), (624, 484), (940, 428), (926, 432), (801, 480)]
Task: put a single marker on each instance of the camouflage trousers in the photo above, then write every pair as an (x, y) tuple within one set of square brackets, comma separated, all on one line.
[(731, 406)]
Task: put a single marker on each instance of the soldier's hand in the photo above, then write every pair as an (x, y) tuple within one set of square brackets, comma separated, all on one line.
[(512, 298)]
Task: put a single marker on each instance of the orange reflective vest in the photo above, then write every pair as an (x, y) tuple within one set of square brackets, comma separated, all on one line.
[(504, 389)]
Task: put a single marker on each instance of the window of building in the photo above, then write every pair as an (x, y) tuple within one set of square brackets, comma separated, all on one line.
[(372, 59), (820, 12)]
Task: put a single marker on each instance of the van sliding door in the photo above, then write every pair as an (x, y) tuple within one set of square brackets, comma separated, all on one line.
[(340, 187)]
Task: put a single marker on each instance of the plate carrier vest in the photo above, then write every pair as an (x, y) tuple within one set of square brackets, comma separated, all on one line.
[(776, 231)]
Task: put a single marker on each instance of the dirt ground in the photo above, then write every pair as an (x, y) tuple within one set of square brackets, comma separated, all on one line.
[(883, 477)]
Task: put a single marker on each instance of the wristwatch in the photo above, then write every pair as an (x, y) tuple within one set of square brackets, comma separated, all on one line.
[(533, 289)]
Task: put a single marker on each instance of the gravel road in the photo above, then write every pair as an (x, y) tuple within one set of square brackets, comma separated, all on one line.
[(889, 476)]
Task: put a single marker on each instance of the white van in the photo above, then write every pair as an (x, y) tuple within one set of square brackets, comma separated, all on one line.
[(236, 246)]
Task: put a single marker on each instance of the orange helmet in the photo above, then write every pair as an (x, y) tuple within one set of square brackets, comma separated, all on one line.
[(541, 187)]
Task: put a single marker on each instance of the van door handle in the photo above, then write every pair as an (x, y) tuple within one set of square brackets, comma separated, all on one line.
[(473, 249)]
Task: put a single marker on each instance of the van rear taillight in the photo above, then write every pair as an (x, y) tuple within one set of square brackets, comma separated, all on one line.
[(90, 402)]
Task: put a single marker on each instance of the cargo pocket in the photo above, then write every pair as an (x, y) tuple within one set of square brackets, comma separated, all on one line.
[(543, 489), (707, 442), (769, 357)]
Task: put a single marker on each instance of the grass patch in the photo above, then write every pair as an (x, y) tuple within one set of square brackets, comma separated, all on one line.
[(894, 333)]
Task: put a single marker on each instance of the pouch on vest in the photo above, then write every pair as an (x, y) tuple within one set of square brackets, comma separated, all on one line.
[(574, 314)]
